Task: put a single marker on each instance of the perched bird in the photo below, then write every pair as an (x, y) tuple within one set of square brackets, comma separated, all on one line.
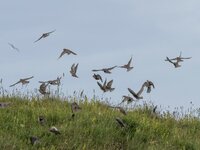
[(74, 70), (97, 77), (66, 51), (106, 86), (105, 70), (54, 130), (127, 66), (34, 140), (121, 122), (44, 35), (149, 84), (41, 119), (177, 60), (22, 81), (43, 89), (15, 48), (75, 107)]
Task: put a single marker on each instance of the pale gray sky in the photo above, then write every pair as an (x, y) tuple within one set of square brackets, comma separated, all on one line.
[(104, 33)]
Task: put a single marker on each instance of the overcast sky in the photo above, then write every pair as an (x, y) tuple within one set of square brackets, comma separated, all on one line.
[(104, 33)]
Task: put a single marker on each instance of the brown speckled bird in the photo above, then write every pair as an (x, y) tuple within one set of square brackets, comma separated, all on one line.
[(74, 70), (22, 81), (127, 66)]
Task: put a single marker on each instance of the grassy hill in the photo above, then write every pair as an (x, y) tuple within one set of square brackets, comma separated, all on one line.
[(94, 127)]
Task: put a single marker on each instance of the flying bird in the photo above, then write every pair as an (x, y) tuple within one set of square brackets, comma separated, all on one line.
[(43, 89), (54, 130), (175, 61), (149, 84), (127, 99), (52, 82), (74, 70), (105, 70), (127, 66), (15, 48), (97, 77), (120, 109), (23, 81), (66, 51), (106, 86), (44, 35)]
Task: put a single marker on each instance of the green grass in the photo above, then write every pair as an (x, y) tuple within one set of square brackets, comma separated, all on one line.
[(94, 127)]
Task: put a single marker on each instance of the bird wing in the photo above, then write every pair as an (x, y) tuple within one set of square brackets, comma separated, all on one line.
[(76, 67), (50, 32), (28, 78), (129, 62), (167, 59), (13, 47), (15, 83), (39, 38), (142, 88), (69, 51), (111, 68), (132, 92), (109, 84), (97, 70), (185, 57), (63, 52), (100, 85)]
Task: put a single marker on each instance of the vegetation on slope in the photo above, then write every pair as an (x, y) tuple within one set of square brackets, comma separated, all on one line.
[(94, 127)]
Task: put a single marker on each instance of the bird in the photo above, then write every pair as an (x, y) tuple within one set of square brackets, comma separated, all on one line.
[(15, 48), (138, 94), (106, 86), (66, 51), (154, 109), (149, 84), (176, 64), (105, 70), (177, 60), (23, 81), (74, 70), (54, 130), (44, 35), (127, 66), (97, 77), (41, 119), (127, 99), (43, 89), (52, 82), (75, 107), (34, 140), (121, 122)]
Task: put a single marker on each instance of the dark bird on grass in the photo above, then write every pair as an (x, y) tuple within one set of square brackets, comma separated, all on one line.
[(44, 35), (74, 70), (175, 61), (34, 140), (105, 87), (66, 51), (127, 66), (54, 130), (75, 107), (149, 84), (127, 99), (120, 122), (105, 70), (97, 77), (15, 48), (43, 89), (22, 81), (41, 120)]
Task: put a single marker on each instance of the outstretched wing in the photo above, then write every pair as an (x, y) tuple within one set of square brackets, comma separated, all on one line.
[(13, 47), (109, 84), (132, 92), (15, 83), (111, 68), (129, 62), (28, 78), (97, 70), (63, 52)]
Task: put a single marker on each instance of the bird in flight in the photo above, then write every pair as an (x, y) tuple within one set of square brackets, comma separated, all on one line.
[(105, 70), (66, 51), (149, 84), (121, 122), (44, 35), (15, 48), (120, 109), (22, 81), (74, 70), (52, 82), (127, 66), (106, 86), (175, 61), (97, 77), (127, 99), (43, 88)]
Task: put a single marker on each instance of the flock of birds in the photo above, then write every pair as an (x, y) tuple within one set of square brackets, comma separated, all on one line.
[(104, 85)]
